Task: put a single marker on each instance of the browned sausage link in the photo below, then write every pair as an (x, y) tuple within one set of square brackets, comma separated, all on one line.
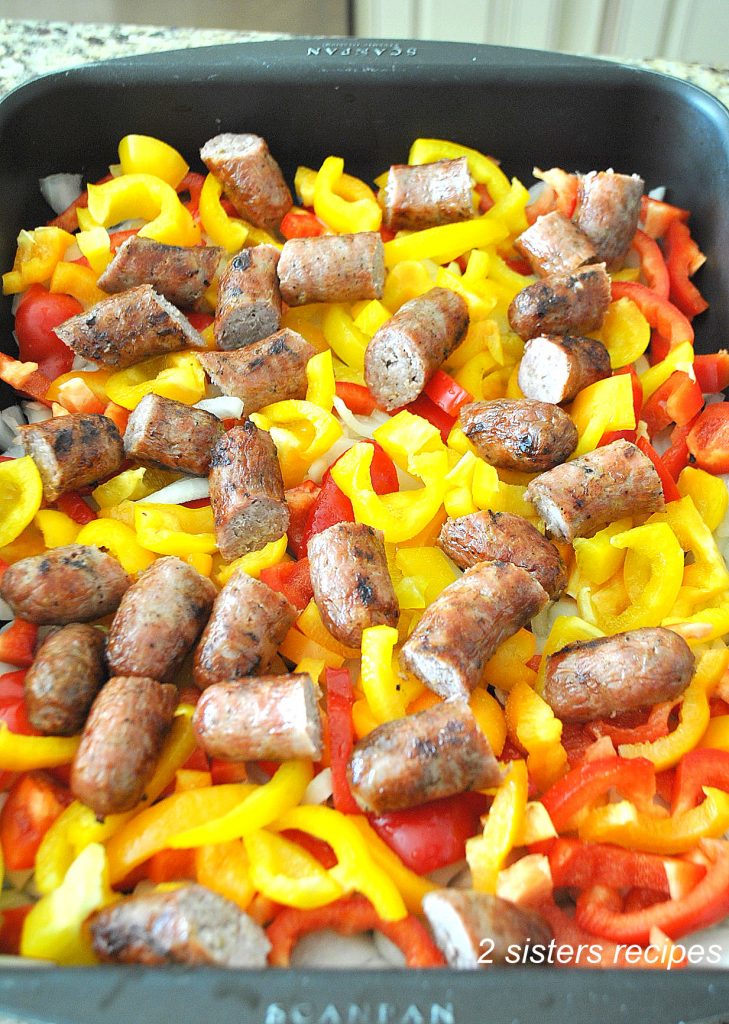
[(129, 327), (251, 178), (424, 196), (121, 743), (246, 491), (502, 537), (190, 925), (168, 434), (596, 678), (159, 619), (75, 583), (554, 369), (459, 632), (475, 930), (265, 371), (554, 245), (608, 207), (181, 273), (274, 718), (351, 581), (332, 268), (519, 433), (407, 350), (64, 678), (248, 623), (410, 761), (73, 451), (562, 303), (580, 497), (249, 300)]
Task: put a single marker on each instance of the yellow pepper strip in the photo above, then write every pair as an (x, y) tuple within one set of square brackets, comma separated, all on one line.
[(363, 719), (54, 928), (379, 682), (407, 280), (287, 873), (224, 868), (601, 407), (78, 826), (346, 186), (310, 667), (296, 647), (178, 375), (132, 484), (693, 715), (492, 493), (346, 339), (57, 528), (484, 170), (174, 529), (145, 197), (709, 494), (310, 623), (230, 232), (429, 570), (37, 254), (19, 753), (95, 245), (78, 281), (258, 809), (320, 381), (95, 381), (357, 869), (444, 243), (406, 434), (532, 723), (596, 559), (411, 887), (458, 500), (679, 358), (702, 627), (313, 432), (623, 824), (483, 336), (509, 210), (716, 736), (342, 215), (21, 493), (479, 295), (189, 778), (708, 573), (371, 317), (120, 540), (143, 154), (625, 333), (254, 562), (27, 544), (487, 853), (490, 718), (509, 663)]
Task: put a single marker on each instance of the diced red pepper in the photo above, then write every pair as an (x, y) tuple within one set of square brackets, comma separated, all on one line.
[(447, 393), (11, 928), (633, 727), (559, 193), (292, 579), (34, 384), (300, 501), (316, 847), (339, 701), (637, 389), (633, 777), (200, 320), (485, 202), (118, 238), (660, 313), (192, 183), (356, 397), (652, 264), (197, 503), (198, 759), (33, 804), (301, 224), (519, 265), (676, 456), (712, 371), (617, 435), (577, 864), (18, 642), (683, 259), (425, 407), (12, 703), (670, 490), (223, 772), (698, 768), (659, 348), (678, 400), (708, 439), (73, 505), (171, 866), (658, 216)]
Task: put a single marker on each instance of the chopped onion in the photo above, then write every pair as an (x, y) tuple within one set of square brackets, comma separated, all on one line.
[(444, 876), (14, 451), (387, 949), (542, 623), (84, 365), (359, 426), (319, 789), (36, 412), (535, 191), (326, 948), (225, 407), (340, 446), (659, 193), (60, 190), (190, 488)]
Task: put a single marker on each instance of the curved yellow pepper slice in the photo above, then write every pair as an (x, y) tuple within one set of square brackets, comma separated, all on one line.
[(120, 540), (412, 887), (321, 386), (378, 680), (425, 573), (57, 528), (484, 170), (36, 257), (603, 406), (178, 375), (143, 154), (679, 358), (224, 868), (301, 431), (342, 215), (95, 245), (490, 718), (145, 197), (254, 562), (311, 624), (78, 281), (532, 723), (444, 243), (373, 315), (708, 493), (347, 341), (348, 187), (287, 873), (625, 333), (596, 558), (492, 493), (509, 662), (131, 485), (486, 854), (21, 494), (19, 753), (174, 529), (230, 232)]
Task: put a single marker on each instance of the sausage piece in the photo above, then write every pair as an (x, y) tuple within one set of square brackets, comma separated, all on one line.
[(519, 433), (127, 328), (251, 177), (408, 349), (73, 451), (502, 537), (273, 718), (562, 303), (63, 680), (182, 273), (608, 208), (246, 491), (554, 245), (475, 929), (270, 370), (249, 300), (597, 678), (554, 369), (459, 632), (189, 925), (351, 581), (164, 433), (410, 761), (121, 743), (248, 623), (578, 498), (159, 619), (423, 196), (75, 583), (332, 268)]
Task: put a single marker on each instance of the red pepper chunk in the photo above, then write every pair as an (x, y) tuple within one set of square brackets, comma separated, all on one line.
[(658, 216), (74, 506), (660, 313), (708, 439), (292, 579), (683, 259), (670, 490), (17, 643), (12, 704), (301, 224), (447, 393), (621, 730), (652, 265), (712, 371), (339, 701), (426, 407), (356, 397), (676, 456), (33, 804), (698, 768), (578, 864), (634, 777)]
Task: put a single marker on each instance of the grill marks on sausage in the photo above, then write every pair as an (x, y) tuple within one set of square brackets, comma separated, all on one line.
[(554, 369), (417, 197), (164, 433), (520, 434), (332, 268), (181, 273), (562, 303), (67, 673), (249, 299), (252, 179), (73, 451), (608, 208)]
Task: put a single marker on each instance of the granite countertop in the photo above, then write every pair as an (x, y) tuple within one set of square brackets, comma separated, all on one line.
[(30, 48)]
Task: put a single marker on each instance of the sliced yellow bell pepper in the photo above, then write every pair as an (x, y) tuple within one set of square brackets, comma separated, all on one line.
[(709, 494), (79, 281), (533, 725), (301, 431), (490, 718), (311, 624), (378, 680), (143, 154), (407, 280), (707, 572), (425, 573), (411, 887), (95, 245), (57, 528), (716, 736), (509, 663), (255, 561), (287, 873), (486, 854), (178, 375), (131, 485), (310, 667), (36, 257), (405, 435), (596, 559), (479, 295), (346, 186), (20, 753), (446, 242), (145, 197), (509, 210), (492, 493), (679, 358), (174, 529), (95, 381), (604, 406), (21, 493), (296, 647), (373, 315), (120, 540), (483, 169), (224, 868), (190, 778), (321, 387), (342, 215), (346, 339), (230, 232), (458, 499), (625, 333)]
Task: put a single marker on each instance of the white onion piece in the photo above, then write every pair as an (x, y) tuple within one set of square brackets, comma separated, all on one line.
[(641, 365), (359, 426), (225, 407), (35, 412), (390, 953), (326, 948), (542, 623), (319, 789), (535, 191), (659, 193), (60, 190), (72, 253), (6, 615), (445, 875), (320, 466), (406, 481), (79, 363), (15, 451), (13, 415), (8, 435), (190, 488), (661, 441)]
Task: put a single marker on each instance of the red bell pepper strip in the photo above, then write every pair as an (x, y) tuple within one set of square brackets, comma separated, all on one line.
[(660, 313), (34, 802), (356, 397), (559, 193), (350, 916), (657, 216), (670, 490), (677, 400), (636, 386), (698, 768), (659, 348), (12, 703), (578, 864), (316, 847), (485, 202), (712, 371), (117, 238), (68, 218), (292, 579), (683, 259), (192, 183), (339, 701), (199, 320), (11, 928), (34, 384), (300, 501), (634, 777), (18, 642), (676, 456), (301, 224), (652, 264), (708, 439), (620, 731), (73, 505), (223, 772), (617, 435), (425, 407), (599, 909), (447, 393)]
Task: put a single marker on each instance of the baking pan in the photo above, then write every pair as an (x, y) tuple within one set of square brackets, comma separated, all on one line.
[(366, 100)]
